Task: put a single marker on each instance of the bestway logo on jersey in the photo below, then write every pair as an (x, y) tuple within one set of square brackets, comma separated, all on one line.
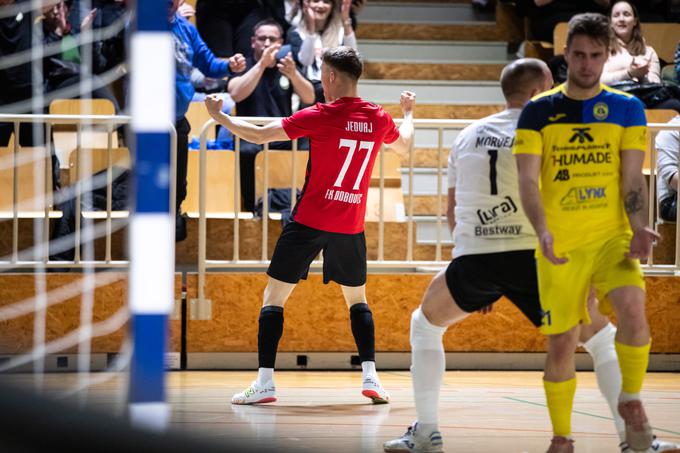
[(498, 212), (582, 195)]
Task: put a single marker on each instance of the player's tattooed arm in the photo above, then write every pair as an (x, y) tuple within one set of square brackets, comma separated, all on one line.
[(634, 201), (634, 193)]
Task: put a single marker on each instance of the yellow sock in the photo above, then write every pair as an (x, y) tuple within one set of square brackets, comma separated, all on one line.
[(560, 398), (633, 361)]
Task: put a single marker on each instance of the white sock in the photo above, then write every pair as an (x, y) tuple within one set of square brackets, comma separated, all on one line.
[(428, 364), (625, 397), (606, 364), (265, 375), (368, 369)]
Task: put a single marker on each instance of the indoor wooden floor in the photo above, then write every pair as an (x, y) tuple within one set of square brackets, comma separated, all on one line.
[(324, 411)]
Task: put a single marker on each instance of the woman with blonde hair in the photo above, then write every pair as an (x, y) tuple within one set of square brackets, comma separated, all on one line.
[(322, 26)]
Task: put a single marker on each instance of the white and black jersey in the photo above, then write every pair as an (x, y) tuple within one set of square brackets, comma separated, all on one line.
[(482, 169)]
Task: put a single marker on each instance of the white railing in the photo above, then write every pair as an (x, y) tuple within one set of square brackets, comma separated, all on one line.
[(43, 246), (408, 264), (41, 250)]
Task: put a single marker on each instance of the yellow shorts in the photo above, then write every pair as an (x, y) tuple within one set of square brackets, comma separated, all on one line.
[(564, 288)]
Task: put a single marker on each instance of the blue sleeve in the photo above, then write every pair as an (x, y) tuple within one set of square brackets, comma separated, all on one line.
[(204, 59), (528, 118), (636, 113)]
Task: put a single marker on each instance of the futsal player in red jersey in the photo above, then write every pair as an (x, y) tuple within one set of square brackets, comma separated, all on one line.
[(346, 134)]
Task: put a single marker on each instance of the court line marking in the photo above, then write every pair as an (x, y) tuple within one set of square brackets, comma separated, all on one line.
[(585, 413)]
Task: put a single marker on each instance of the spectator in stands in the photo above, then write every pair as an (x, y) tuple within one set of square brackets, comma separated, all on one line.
[(16, 83), (190, 52), (322, 26), (667, 148), (64, 69), (631, 59), (545, 14), (266, 90), (227, 25)]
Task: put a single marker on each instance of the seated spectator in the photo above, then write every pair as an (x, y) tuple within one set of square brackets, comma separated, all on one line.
[(630, 58), (545, 14), (266, 90), (322, 26), (667, 148), (190, 52)]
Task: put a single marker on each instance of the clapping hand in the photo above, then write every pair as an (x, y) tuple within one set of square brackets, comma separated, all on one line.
[(286, 66), (237, 63)]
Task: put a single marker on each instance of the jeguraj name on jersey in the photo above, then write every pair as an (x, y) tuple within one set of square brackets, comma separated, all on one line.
[(357, 126), (498, 230)]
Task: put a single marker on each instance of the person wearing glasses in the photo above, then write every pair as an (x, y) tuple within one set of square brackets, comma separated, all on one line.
[(266, 89)]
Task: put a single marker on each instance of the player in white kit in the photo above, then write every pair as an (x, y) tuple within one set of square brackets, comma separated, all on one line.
[(493, 257)]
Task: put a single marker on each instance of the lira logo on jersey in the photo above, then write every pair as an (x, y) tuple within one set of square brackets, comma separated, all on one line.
[(501, 210), (581, 134), (601, 111)]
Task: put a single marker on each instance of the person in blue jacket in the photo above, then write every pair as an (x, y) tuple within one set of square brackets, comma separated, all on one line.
[(191, 52)]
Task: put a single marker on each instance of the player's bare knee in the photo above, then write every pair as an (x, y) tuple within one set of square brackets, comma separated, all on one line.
[(438, 304), (562, 346), (276, 293)]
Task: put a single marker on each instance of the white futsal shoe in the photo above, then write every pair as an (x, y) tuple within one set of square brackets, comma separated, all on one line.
[(373, 389), (658, 445), (256, 394), (416, 442)]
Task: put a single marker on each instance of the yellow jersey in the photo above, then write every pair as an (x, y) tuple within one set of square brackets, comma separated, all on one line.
[(580, 143)]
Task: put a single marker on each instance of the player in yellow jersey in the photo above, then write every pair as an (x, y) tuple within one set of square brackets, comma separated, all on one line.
[(579, 150)]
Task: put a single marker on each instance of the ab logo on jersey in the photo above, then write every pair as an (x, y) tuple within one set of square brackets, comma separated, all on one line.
[(562, 175), (601, 111), (581, 134)]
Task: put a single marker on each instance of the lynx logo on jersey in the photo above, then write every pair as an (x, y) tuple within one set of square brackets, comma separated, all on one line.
[(581, 195), (502, 210)]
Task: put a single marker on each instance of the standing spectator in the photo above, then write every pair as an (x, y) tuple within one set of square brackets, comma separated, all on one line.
[(545, 14), (16, 83), (667, 147), (190, 52), (322, 26), (266, 90), (226, 25)]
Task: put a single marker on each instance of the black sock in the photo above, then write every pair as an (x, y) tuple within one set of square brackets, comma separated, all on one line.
[(363, 330), (268, 335)]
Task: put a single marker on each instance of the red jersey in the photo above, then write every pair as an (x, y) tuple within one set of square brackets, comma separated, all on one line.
[(345, 137)]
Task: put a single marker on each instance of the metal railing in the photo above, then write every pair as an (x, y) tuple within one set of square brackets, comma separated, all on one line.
[(408, 264), (41, 250), (43, 247)]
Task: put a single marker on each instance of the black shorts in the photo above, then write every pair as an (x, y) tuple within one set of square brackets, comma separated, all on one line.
[(344, 255), (476, 281)]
